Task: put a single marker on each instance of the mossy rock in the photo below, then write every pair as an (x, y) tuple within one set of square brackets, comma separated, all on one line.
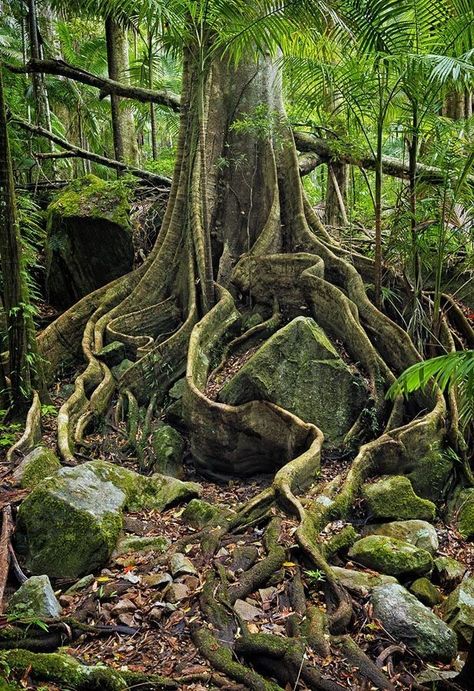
[(391, 556), (69, 525), (461, 509), (199, 513), (89, 239), (394, 498), (406, 619), (299, 369), (36, 466), (112, 354), (426, 592), (448, 571), (419, 533), (430, 472), (168, 447), (340, 542), (119, 370), (361, 582), (458, 611), (36, 598)]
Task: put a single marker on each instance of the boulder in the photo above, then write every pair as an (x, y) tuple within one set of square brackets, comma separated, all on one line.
[(361, 582), (35, 598), (419, 533), (391, 556), (36, 466), (70, 523), (458, 611), (408, 620), (393, 498), (426, 592), (299, 369), (168, 447), (89, 239), (112, 354)]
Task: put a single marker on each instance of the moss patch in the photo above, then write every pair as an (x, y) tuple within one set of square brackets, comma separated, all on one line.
[(36, 466), (391, 556), (394, 498)]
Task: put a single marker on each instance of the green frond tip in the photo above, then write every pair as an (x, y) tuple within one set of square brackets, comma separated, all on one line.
[(453, 369)]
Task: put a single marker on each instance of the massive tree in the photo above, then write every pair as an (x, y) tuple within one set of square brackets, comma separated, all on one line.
[(239, 231)]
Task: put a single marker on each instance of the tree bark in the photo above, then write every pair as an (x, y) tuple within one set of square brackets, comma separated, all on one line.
[(123, 126)]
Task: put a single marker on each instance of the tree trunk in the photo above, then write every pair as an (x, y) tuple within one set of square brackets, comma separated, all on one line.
[(43, 115), (23, 365), (123, 126), (335, 214)]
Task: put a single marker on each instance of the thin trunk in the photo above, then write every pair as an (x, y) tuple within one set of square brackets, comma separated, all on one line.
[(23, 365), (412, 163), (123, 127), (43, 116), (336, 195), (378, 216), (154, 141)]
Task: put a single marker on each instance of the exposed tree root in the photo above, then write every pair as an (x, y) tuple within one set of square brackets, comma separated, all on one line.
[(32, 434)]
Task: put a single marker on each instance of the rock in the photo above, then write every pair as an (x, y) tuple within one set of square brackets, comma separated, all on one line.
[(247, 611), (458, 611), (462, 511), (426, 592), (120, 369), (112, 354), (36, 466), (176, 592), (361, 582), (133, 543), (70, 523), (180, 565), (448, 571), (391, 556), (393, 497), (89, 239), (199, 513), (157, 580), (35, 598), (409, 621), (168, 447), (123, 606), (244, 557), (419, 533), (81, 584), (177, 390), (299, 369)]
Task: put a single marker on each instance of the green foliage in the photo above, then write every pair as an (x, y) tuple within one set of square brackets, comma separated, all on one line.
[(315, 576), (9, 431)]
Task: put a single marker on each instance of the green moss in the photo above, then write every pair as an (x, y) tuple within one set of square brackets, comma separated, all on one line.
[(36, 466), (64, 670), (394, 498), (90, 196), (462, 510), (426, 592), (344, 539), (142, 544), (199, 513), (431, 472), (168, 446), (391, 556)]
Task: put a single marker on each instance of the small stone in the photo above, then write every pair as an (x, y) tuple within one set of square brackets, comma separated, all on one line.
[(448, 571), (134, 543), (124, 605), (35, 597), (426, 592), (408, 620), (126, 619), (247, 611), (180, 565), (244, 557), (192, 582), (81, 584), (176, 592), (458, 611), (391, 556), (222, 553), (157, 580), (66, 600), (394, 498)]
